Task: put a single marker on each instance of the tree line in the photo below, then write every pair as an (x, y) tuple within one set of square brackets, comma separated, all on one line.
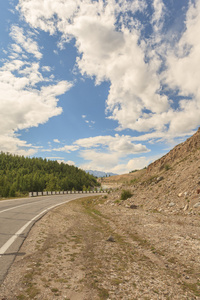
[(20, 175)]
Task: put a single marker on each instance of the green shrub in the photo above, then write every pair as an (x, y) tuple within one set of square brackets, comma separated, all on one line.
[(167, 167), (125, 194)]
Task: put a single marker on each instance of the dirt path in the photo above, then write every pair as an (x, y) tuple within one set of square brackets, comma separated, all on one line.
[(92, 249)]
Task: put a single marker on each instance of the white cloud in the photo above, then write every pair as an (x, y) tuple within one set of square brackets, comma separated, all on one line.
[(30, 107), (12, 144), (121, 144), (159, 15), (22, 104), (133, 164), (62, 160), (46, 69), (183, 74), (105, 152), (99, 160), (139, 85), (68, 162), (16, 48), (109, 54), (56, 141), (42, 14), (67, 148), (110, 162), (26, 43)]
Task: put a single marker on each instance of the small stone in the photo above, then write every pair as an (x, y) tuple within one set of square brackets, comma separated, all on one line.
[(197, 205), (111, 239), (180, 194), (171, 204), (133, 206), (186, 207), (159, 178)]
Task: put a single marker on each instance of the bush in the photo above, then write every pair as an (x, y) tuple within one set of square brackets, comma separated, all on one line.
[(167, 167), (125, 194)]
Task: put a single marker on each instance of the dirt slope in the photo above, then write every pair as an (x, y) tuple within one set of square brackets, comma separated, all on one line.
[(173, 179)]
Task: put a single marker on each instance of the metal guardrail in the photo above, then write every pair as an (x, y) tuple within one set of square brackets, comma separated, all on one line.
[(47, 193)]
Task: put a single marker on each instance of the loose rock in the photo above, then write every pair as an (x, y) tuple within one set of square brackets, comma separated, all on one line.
[(111, 239), (133, 206)]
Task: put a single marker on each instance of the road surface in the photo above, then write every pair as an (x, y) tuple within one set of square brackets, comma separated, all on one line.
[(17, 216)]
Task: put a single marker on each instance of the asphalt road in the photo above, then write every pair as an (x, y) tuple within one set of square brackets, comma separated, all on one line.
[(17, 216)]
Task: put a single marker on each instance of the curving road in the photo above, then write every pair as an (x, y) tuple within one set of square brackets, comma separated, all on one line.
[(17, 217)]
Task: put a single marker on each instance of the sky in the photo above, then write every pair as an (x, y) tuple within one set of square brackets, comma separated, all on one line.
[(102, 85)]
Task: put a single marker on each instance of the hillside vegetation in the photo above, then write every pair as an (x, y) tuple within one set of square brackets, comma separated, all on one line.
[(19, 175)]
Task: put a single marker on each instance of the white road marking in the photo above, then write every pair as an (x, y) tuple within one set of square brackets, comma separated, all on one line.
[(5, 247), (20, 205), (15, 207)]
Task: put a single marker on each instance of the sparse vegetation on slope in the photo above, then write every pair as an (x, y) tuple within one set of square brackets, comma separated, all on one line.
[(125, 194)]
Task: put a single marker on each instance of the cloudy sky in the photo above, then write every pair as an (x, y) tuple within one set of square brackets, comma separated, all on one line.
[(104, 85)]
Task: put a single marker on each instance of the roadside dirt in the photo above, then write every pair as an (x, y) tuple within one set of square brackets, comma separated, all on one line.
[(97, 248)]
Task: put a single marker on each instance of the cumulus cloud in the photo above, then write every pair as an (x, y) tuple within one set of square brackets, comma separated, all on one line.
[(99, 160), (110, 162), (105, 152), (12, 144), (132, 65), (120, 144), (113, 54), (22, 103), (69, 162), (142, 71), (183, 73)]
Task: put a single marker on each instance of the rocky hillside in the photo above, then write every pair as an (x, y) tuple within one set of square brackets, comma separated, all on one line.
[(171, 184), (177, 154)]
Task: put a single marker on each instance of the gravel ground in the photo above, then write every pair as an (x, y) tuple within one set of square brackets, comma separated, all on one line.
[(99, 248)]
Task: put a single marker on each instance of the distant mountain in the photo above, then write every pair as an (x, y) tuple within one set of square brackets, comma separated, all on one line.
[(99, 173)]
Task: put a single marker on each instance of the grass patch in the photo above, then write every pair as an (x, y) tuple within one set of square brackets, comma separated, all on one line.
[(89, 205), (167, 167), (103, 293), (32, 292), (133, 181), (21, 297), (125, 194), (150, 180), (117, 201), (193, 287)]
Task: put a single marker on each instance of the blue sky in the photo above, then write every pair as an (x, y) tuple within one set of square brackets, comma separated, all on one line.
[(103, 85)]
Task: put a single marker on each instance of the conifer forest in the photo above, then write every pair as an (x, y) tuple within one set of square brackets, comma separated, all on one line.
[(20, 175)]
